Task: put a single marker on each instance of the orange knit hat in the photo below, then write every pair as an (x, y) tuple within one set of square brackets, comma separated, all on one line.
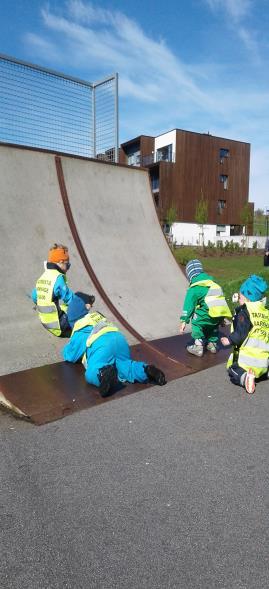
[(58, 253)]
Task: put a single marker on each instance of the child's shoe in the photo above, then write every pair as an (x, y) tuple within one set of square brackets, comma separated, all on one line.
[(196, 349), (155, 374), (108, 377), (250, 382), (212, 347)]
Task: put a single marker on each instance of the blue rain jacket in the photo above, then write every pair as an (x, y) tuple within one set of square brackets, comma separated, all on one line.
[(61, 291), (110, 348)]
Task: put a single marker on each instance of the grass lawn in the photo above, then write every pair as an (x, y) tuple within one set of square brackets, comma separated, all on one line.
[(230, 271), (233, 267)]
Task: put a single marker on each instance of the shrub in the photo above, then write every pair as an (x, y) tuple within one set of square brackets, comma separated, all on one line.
[(211, 248), (237, 247)]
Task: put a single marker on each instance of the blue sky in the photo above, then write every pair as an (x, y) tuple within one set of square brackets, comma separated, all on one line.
[(200, 65)]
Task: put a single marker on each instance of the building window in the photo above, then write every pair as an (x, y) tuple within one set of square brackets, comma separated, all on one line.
[(224, 180), (134, 159), (220, 229), (164, 154), (166, 228), (223, 153), (155, 183), (221, 206), (236, 230)]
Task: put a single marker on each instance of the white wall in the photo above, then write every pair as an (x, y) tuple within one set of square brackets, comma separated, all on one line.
[(166, 139), (190, 234)]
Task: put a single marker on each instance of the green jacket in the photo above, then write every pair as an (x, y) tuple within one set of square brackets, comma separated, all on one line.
[(195, 297)]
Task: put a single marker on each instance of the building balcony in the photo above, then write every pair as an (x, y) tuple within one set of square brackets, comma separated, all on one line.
[(156, 158)]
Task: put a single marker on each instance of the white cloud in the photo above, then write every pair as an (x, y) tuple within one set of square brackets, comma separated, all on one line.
[(236, 13), (44, 46), (149, 70), (86, 13), (235, 9)]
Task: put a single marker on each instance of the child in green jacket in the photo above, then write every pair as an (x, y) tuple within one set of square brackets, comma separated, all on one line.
[(206, 307)]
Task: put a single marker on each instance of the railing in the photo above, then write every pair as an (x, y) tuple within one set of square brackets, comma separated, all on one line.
[(154, 158), (47, 109)]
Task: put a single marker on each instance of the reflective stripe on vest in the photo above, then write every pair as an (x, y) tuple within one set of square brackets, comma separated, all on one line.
[(47, 309), (214, 299), (254, 351), (90, 319), (100, 326), (44, 309)]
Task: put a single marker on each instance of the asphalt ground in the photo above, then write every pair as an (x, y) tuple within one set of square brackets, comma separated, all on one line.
[(166, 488)]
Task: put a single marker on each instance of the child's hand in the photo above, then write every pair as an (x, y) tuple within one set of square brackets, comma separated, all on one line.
[(225, 341), (225, 322), (235, 297), (182, 326)]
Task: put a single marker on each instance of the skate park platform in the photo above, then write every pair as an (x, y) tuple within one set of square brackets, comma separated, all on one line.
[(105, 214), (50, 392)]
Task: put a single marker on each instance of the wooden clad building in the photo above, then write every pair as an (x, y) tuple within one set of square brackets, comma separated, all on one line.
[(184, 165)]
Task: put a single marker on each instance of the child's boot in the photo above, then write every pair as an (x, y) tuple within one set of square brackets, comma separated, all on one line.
[(154, 374), (197, 348), (108, 377), (212, 347), (249, 381)]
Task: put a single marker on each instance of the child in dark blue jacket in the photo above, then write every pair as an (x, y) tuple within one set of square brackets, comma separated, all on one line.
[(103, 350)]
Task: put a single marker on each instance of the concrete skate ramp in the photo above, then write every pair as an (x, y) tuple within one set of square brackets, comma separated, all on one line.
[(32, 218), (118, 227), (113, 209)]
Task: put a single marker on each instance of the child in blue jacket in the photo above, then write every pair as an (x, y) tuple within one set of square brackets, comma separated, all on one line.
[(103, 350)]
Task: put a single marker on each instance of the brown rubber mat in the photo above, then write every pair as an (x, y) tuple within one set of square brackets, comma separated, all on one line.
[(50, 392), (175, 348)]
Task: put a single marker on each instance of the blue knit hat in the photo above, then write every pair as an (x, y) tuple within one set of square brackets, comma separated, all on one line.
[(253, 288), (76, 310), (193, 268)]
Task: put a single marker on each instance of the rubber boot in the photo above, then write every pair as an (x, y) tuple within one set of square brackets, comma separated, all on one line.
[(212, 347), (197, 348), (108, 377), (155, 375)]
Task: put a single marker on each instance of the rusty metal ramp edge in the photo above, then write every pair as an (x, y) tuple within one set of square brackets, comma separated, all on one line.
[(51, 392)]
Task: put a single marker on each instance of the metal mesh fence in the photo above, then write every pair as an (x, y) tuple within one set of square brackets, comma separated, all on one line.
[(42, 108), (105, 98)]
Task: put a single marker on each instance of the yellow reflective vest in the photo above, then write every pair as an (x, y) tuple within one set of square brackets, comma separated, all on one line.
[(214, 299), (254, 351), (47, 309), (100, 326)]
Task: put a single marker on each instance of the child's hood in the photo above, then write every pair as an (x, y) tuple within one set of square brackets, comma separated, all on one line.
[(201, 276)]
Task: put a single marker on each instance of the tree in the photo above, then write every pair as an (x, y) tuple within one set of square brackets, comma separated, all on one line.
[(259, 227), (201, 214), (246, 216), (171, 215), (170, 218)]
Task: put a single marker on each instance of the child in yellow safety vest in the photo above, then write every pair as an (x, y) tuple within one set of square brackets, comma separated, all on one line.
[(103, 350), (249, 336), (206, 307), (52, 294)]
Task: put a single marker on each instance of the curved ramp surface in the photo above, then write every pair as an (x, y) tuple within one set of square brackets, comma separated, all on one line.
[(118, 226)]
